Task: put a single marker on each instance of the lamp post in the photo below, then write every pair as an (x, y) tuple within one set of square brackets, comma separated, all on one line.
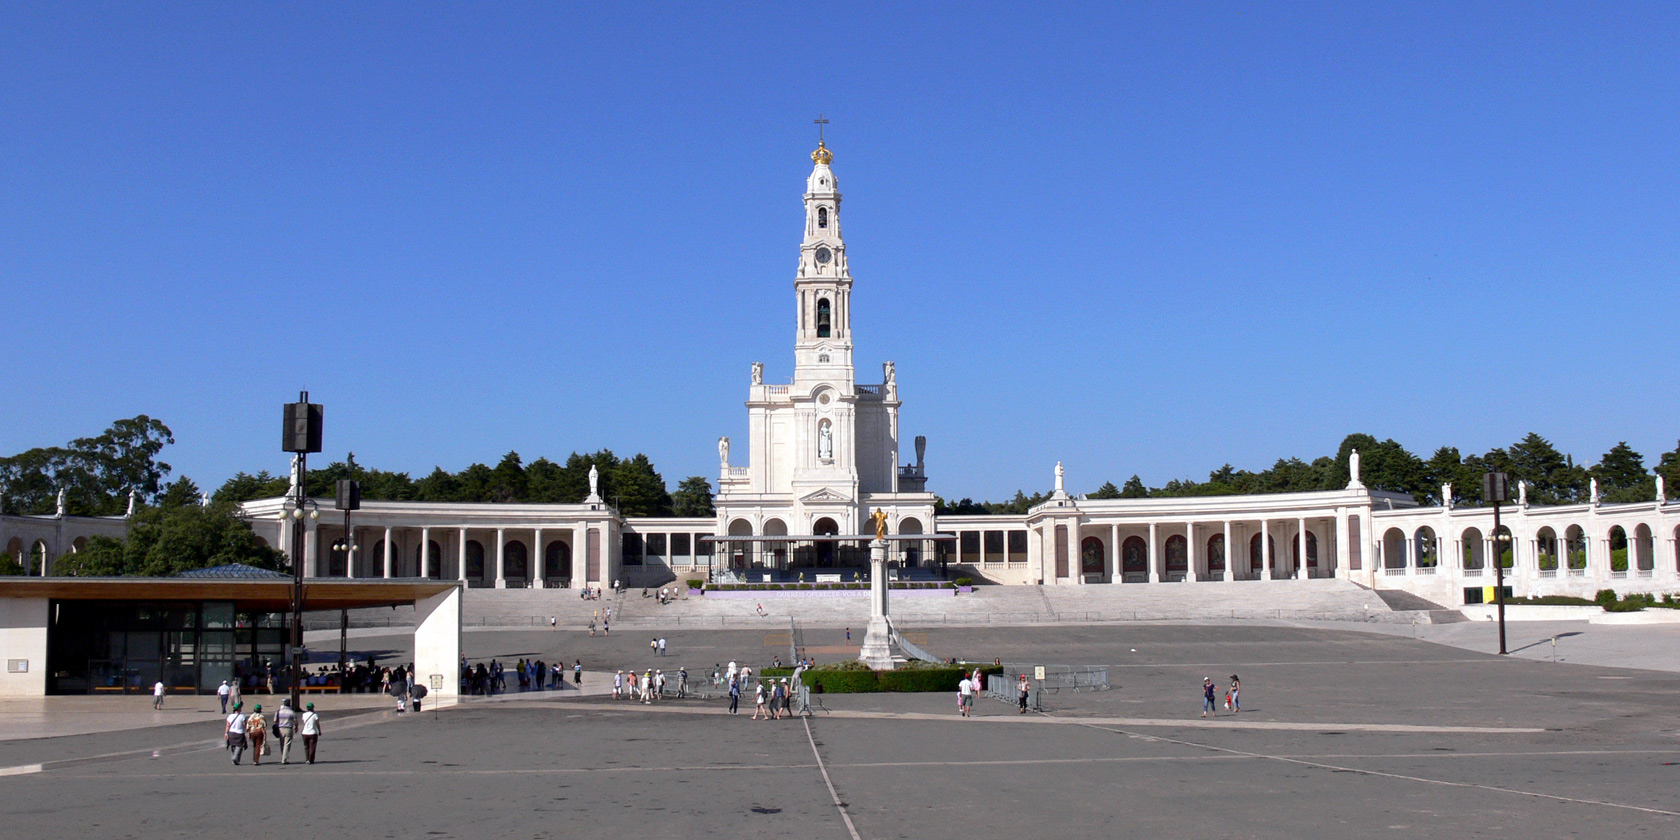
[(1494, 489), (300, 435), (349, 498)]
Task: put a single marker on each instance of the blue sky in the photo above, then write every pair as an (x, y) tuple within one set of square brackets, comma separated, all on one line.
[(1134, 239)]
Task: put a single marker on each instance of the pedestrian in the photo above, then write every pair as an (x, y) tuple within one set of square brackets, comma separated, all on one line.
[(787, 698), (577, 673), (775, 700), (761, 610), (653, 645), (310, 728), (234, 733), (1207, 696), (682, 682), (256, 729), (758, 703), (848, 634), (965, 696), (1021, 694), (734, 696), (285, 725), (234, 691), (661, 645), (1236, 692), (222, 695), (553, 623), (618, 684), (157, 695), (606, 626), (659, 684)]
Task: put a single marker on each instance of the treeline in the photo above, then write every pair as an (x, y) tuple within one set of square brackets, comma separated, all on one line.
[(631, 485), (1553, 478)]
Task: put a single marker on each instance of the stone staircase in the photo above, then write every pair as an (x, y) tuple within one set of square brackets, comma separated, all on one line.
[(1301, 600)]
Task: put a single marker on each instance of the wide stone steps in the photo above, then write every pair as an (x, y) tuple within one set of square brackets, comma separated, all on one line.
[(987, 605)]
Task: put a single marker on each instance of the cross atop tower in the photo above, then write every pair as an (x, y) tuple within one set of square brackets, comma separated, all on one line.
[(820, 121)]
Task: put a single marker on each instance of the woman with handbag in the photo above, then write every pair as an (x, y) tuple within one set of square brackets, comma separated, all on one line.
[(256, 729)]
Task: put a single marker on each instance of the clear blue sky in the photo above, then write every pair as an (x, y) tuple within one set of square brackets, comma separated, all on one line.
[(1134, 240)]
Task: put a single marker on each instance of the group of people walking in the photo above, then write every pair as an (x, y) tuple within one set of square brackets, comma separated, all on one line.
[(648, 686), (1233, 697), (253, 731)]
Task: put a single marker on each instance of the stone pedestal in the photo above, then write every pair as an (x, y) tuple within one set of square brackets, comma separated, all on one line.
[(879, 651)]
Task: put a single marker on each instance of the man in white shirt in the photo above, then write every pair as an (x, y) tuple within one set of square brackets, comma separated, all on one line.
[(309, 726), (235, 732), (222, 694), (965, 696), (157, 695)]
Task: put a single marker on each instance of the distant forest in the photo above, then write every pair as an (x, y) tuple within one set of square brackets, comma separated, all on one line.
[(1553, 477)]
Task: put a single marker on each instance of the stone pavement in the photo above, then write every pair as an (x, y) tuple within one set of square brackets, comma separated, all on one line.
[(1345, 733)]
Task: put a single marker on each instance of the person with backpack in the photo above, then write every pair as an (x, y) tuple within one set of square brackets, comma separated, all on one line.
[(233, 732)]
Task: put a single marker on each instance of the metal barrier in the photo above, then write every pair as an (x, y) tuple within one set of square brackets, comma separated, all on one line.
[(1076, 678)]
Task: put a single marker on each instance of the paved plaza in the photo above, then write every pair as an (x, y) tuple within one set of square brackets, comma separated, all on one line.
[(1344, 732)]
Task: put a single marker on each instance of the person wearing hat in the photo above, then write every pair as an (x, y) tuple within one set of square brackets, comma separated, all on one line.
[(309, 726), (234, 732), (787, 698), (222, 694), (285, 725), (1207, 696), (256, 729), (1021, 689)]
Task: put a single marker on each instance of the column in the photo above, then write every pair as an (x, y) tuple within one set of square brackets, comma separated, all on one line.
[(537, 557), (425, 552), (1115, 574), (311, 546), (1301, 547), (350, 559), (501, 557), (1230, 564), (580, 555), (980, 538), (461, 561), (387, 551), (1154, 557), (1190, 575), (1266, 569)]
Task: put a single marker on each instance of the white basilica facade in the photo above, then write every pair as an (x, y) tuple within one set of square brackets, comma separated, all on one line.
[(824, 452)]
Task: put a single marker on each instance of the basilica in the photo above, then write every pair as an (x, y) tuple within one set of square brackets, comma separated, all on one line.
[(824, 452)]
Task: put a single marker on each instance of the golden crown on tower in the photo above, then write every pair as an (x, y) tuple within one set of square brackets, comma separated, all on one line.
[(822, 154)]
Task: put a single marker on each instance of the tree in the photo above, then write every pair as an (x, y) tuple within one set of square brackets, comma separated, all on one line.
[(1622, 476), (180, 493), (1134, 489), (507, 480), (96, 474), (693, 497), (1107, 491), (165, 541), (639, 490), (1669, 468), (244, 487)]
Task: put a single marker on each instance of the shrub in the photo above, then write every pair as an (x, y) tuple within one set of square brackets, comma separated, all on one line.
[(695, 583), (964, 581), (1605, 597)]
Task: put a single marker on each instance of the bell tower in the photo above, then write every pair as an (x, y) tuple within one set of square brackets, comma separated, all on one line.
[(823, 287)]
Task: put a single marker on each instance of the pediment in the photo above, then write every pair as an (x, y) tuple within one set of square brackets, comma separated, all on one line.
[(825, 495)]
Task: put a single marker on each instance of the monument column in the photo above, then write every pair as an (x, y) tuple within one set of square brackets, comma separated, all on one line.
[(461, 562), (1230, 564), (537, 558), (1190, 575), (501, 559), (1116, 573), (1154, 557), (1266, 551), (387, 551), (1301, 546), (426, 552)]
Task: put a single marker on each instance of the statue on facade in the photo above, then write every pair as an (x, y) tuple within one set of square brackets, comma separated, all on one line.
[(921, 451), (61, 501), (131, 503), (758, 373), (594, 482), (1446, 496), (1060, 474), (1662, 492), (1353, 470), (1592, 490), (723, 451), (825, 442), (1522, 494), (879, 517), (889, 376)]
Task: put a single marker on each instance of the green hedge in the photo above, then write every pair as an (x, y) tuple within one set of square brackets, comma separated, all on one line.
[(854, 678)]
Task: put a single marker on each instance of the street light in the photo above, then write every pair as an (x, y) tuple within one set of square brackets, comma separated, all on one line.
[(349, 498), (300, 435), (1494, 489)]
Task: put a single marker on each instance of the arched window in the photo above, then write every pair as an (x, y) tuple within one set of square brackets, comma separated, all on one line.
[(1216, 553), (822, 217), (822, 318), (475, 560), (1091, 556), (1256, 559), (557, 561), (1177, 555), (1134, 556)]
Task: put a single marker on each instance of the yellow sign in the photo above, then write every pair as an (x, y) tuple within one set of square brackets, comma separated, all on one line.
[(1487, 595), (1038, 672)]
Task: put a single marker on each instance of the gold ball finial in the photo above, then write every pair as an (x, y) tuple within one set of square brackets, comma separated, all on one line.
[(822, 155)]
